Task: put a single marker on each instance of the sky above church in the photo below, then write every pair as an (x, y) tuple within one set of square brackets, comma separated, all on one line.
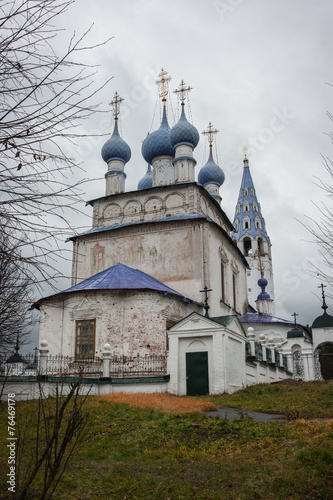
[(261, 72)]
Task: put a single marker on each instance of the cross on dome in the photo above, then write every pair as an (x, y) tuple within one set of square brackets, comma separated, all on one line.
[(245, 150), (324, 306), (182, 91), (163, 84), (115, 103), (295, 316), (210, 133)]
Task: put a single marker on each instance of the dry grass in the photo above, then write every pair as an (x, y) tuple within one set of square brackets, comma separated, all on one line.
[(161, 401)]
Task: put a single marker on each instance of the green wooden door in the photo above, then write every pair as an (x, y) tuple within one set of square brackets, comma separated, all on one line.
[(197, 373)]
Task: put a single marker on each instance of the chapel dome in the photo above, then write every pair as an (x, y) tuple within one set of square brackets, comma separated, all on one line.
[(147, 181), (211, 173), (184, 132), (158, 143), (263, 295), (116, 148)]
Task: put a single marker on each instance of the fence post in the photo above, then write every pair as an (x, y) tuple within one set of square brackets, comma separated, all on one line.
[(251, 338), (106, 360), (43, 355)]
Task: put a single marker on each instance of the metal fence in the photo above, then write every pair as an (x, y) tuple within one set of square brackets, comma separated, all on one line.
[(138, 366), (61, 366)]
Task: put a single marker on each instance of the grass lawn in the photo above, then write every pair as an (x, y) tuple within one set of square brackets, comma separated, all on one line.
[(163, 447)]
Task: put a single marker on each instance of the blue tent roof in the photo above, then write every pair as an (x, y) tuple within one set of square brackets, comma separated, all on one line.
[(121, 277), (248, 206)]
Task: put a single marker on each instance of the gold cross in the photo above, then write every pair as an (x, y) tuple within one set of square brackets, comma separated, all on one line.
[(245, 149), (182, 91), (210, 132), (162, 82), (115, 105)]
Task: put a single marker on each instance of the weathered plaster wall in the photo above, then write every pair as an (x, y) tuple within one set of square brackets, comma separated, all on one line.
[(130, 321), (157, 202)]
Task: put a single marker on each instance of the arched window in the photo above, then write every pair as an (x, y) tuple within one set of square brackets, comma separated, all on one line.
[(238, 208), (255, 207), (246, 207), (236, 224), (246, 192), (247, 246), (261, 245), (252, 191), (246, 223)]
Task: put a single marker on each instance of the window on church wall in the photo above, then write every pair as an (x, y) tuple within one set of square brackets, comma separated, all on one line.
[(246, 192), (222, 281), (261, 245), (246, 207), (255, 207), (85, 339), (246, 224), (247, 246), (238, 208), (234, 290), (252, 192)]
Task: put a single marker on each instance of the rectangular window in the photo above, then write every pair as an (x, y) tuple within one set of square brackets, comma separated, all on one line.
[(85, 339), (234, 290), (222, 281)]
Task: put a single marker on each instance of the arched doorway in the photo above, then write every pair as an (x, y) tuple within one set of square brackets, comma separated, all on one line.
[(324, 361), (298, 366)]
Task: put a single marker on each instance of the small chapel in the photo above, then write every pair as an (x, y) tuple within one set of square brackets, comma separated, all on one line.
[(164, 272)]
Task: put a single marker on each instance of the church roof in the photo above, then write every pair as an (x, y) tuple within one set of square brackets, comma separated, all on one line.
[(250, 317), (99, 229), (121, 277), (323, 321), (224, 320)]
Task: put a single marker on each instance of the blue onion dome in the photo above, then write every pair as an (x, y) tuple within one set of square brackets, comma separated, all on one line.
[(158, 143), (147, 181), (184, 132), (211, 173), (116, 148), (263, 295)]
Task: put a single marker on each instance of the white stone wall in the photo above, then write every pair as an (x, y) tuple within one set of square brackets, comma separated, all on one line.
[(225, 348), (130, 321), (185, 255), (158, 202)]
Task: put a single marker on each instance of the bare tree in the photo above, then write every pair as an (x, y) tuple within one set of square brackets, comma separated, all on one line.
[(60, 424), (322, 229), (16, 285), (44, 96)]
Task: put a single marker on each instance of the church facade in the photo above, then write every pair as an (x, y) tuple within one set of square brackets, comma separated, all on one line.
[(164, 272)]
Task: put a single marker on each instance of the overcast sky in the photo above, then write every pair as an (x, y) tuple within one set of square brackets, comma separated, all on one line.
[(260, 71)]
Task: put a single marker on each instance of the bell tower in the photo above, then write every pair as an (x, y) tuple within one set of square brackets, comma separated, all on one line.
[(251, 236)]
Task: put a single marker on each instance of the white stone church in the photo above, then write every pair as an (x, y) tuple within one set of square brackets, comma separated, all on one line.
[(164, 272)]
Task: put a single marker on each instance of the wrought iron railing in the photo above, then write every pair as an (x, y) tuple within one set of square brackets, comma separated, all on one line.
[(138, 366), (61, 366)]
